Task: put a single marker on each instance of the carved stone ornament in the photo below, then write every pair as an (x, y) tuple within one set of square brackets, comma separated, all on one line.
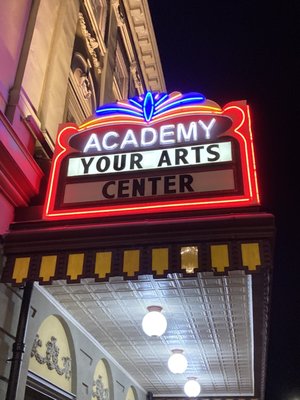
[(84, 84), (99, 392), (135, 74), (91, 43), (51, 357), (119, 13)]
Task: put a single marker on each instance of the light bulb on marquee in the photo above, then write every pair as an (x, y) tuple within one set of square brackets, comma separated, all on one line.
[(154, 323), (177, 362), (192, 388)]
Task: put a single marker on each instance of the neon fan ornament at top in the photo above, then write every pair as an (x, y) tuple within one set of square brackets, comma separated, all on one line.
[(150, 105)]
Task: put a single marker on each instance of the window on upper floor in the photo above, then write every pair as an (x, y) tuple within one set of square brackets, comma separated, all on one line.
[(99, 10), (121, 73)]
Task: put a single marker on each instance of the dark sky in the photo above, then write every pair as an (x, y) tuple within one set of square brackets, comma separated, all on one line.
[(246, 49)]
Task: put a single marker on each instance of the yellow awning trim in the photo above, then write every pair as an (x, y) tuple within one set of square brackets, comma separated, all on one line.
[(160, 260), (131, 262), (75, 265), (219, 257), (48, 265), (21, 269), (250, 255), (103, 263), (189, 258)]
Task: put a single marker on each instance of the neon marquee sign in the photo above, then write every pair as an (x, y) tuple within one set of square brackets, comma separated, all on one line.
[(152, 154)]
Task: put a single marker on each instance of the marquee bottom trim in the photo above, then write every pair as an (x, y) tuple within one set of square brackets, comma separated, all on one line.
[(101, 264)]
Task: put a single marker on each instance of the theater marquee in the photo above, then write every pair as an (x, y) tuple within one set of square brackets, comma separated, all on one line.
[(151, 154)]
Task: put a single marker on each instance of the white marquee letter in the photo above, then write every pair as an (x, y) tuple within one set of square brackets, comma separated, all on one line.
[(207, 128), (186, 135), (105, 145), (92, 143), (144, 133), (129, 139), (167, 130)]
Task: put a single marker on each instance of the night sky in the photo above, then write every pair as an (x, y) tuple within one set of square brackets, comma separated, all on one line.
[(246, 49)]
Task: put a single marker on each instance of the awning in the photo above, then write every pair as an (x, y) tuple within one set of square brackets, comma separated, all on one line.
[(43, 253)]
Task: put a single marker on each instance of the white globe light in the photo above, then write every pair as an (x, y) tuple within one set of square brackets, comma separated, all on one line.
[(192, 388), (177, 362), (154, 323)]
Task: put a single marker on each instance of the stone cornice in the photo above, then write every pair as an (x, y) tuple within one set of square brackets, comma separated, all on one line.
[(140, 23)]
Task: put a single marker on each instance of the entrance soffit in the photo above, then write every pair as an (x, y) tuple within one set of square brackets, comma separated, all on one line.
[(210, 275)]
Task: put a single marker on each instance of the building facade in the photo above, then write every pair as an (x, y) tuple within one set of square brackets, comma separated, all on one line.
[(60, 61), (76, 282)]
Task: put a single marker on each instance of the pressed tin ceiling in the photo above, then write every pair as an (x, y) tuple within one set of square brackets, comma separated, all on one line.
[(209, 317)]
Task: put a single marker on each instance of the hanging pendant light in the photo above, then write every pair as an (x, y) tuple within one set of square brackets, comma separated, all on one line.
[(192, 387), (177, 362), (154, 323)]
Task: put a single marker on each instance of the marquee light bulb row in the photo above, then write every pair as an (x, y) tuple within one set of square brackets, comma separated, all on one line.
[(154, 324)]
